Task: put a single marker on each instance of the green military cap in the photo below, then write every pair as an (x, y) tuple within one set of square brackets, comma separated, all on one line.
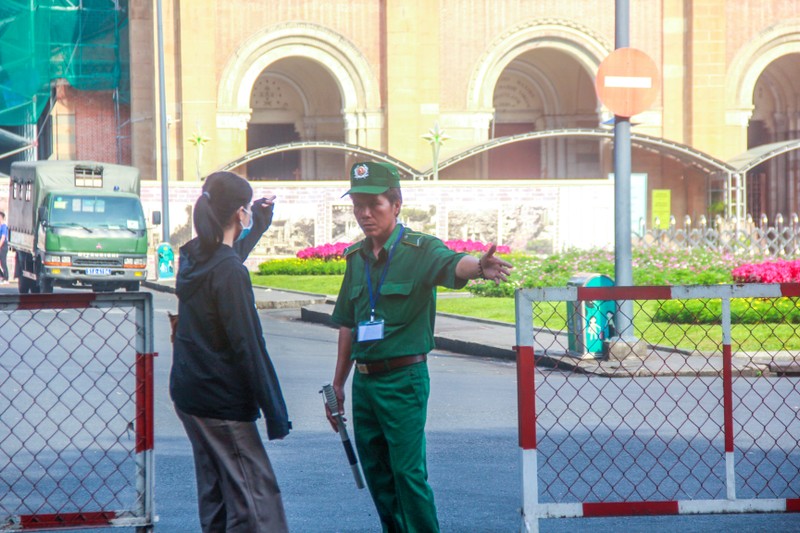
[(373, 178)]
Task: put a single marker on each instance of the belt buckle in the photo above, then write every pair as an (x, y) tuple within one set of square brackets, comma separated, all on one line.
[(363, 368)]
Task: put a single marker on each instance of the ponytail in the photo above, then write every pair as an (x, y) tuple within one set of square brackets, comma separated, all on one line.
[(223, 194)]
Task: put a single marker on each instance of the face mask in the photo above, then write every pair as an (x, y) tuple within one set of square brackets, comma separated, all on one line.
[(246, 229)]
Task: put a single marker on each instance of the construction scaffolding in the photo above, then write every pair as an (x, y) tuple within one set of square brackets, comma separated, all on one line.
[(84, 42)]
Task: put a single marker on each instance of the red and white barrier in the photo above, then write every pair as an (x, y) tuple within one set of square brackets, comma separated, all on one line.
[(76, 376), (703, 432)]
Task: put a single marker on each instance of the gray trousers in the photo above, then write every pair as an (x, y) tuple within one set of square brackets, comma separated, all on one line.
[(236, 488)]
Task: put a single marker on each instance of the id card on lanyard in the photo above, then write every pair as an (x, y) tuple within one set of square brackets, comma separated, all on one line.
[(372, 329)]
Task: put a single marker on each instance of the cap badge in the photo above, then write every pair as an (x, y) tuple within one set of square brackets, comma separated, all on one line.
[(361, 172)]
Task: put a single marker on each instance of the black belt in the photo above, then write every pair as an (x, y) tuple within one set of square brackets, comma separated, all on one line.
[(387, 365)]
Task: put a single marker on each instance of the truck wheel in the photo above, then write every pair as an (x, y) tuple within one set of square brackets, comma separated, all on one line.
[(45, 285), (132, 287), (24, 285)]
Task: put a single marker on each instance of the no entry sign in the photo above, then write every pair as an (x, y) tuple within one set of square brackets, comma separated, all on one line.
[(627, 81)]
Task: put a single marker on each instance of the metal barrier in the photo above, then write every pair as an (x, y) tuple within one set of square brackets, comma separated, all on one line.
[(76, 397), (725, 236), (696, 411)]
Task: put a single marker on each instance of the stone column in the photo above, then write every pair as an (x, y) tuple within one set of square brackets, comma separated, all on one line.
[(413, 76), (143, 72), (197, 90)]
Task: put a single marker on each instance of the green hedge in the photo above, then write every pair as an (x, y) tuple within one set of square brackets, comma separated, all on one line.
[(650, 267), (302, 267), (743, 311)]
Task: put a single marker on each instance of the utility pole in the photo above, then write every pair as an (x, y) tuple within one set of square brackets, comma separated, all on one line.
[(162, 97), (623, 270)]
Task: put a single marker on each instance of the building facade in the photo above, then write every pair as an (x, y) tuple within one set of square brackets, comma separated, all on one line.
[(381, 74)]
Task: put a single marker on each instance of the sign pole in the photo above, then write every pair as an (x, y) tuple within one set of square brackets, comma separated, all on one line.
[(162, 97), (623, 270)]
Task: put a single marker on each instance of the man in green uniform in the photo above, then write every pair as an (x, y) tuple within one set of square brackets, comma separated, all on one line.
[(386, 310)]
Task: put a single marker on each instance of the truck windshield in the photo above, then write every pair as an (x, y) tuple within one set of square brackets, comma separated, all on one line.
[(94, 212)]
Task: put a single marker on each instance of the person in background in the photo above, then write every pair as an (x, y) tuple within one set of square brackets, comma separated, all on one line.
[(3, 249), (222, 377), (386, 309)]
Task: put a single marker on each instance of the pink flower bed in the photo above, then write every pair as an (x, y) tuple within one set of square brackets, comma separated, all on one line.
[(336, 250), (779, 271), (474, 246), (325, 251)]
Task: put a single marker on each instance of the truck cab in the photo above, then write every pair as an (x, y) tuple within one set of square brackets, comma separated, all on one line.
[(77, 224)]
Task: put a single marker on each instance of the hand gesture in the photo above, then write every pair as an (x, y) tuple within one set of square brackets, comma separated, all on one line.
[(494, 268), (263, 211)]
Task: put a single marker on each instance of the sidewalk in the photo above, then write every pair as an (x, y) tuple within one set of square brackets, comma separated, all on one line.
[(487, 338), (265, 298), (462, 335)]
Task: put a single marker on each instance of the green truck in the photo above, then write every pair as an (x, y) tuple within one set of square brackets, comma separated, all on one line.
[(77, 224)]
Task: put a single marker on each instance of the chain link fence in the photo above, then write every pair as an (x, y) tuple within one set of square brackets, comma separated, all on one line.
[(747, 237), (76, 401), (694, 409)]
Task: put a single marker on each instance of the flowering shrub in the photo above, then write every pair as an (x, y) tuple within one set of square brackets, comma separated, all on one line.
[(650, 267), (474, 246), (325, 252), (743, 311), (302, 267), (779, 271)]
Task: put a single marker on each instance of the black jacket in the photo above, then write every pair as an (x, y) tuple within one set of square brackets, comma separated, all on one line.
[(221, 368)]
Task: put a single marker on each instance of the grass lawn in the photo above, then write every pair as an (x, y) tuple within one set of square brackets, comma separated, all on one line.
[(328, 285), (501, 309), (705, 338)]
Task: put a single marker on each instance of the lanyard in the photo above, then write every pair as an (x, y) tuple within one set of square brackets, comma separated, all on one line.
[(373, 296)]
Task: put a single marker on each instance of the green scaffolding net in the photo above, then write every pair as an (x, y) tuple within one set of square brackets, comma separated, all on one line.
[(84, 42)]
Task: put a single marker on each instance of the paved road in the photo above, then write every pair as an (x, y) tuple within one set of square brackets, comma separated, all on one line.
[(473, 453)]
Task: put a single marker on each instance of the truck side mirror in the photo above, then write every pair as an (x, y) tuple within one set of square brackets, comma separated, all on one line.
[(156, 218), (40, 213)]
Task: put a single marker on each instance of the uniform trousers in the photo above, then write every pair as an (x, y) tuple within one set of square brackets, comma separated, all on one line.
[(389, 415), (237, 491)]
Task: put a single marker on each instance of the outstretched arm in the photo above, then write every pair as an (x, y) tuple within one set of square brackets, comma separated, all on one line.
[(262, 218), (488, 266)]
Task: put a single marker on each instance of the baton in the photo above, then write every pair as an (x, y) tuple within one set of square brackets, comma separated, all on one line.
[(333, 405)]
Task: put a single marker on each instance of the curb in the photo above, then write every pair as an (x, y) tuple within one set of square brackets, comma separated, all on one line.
[(160, 287), (310, 299), (446, 343)]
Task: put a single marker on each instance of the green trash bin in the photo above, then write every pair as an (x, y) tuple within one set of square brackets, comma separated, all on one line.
[(166, 261), (589, 323)]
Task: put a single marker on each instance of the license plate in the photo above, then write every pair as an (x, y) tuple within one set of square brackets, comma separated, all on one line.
[(98, 271)]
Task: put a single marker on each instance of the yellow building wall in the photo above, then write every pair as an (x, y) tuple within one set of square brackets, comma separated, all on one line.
[(424, 55), (413, 77), (707, 65)]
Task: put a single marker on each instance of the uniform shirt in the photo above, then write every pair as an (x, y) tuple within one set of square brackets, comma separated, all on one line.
[(407, 298)]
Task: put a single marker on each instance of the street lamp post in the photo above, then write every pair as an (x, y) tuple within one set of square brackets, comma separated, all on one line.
[(435, 138)]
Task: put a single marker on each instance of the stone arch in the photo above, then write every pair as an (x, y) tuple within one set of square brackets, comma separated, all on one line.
[(579, 42), (539, 82), (751, 61), (517, 53), (357, 84), (761, 101)]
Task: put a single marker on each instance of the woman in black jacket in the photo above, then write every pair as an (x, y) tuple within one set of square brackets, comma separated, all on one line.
[(222, 375)]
